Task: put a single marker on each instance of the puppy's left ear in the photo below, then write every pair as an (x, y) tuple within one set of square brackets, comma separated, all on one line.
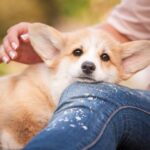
[(46, 41), (135, 57)]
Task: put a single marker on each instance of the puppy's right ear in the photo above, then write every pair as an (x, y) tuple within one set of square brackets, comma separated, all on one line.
[(46, 41)]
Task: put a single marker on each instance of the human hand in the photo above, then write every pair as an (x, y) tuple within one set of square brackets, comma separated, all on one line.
[(113, 32), (16, 46)]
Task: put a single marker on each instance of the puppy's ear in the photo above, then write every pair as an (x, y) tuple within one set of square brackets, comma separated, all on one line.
[(135, 57), (46, 41)]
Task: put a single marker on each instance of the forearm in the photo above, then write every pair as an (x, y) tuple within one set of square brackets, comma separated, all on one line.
[(129, 21), (131, 18)]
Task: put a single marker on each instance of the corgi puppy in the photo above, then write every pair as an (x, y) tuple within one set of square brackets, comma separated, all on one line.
[(28, 99)]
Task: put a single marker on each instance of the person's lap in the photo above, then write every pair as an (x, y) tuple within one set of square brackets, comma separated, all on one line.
[(100, 116)]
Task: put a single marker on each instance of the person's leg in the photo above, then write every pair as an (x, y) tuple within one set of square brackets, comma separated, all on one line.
[(98, 116)]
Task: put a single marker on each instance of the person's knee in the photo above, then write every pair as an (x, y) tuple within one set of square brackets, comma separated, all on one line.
[(102, 91)]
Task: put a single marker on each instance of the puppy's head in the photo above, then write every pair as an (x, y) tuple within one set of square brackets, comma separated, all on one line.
[(89, 55)]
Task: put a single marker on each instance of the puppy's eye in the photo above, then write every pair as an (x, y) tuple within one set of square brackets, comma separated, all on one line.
[(105, 57), (77, 52)]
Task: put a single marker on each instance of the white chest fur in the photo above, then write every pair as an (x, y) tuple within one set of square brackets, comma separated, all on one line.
[(55, 83)]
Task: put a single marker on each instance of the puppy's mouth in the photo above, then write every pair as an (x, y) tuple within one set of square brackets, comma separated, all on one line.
[(86, 79)]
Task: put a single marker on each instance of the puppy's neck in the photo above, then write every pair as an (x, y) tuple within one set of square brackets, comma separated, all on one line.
[(59, 80)]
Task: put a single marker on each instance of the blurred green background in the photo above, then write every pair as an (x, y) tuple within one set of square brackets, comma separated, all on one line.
[(65, 15)]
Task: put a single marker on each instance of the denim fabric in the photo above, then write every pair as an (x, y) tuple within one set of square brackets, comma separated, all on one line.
[(99, 116)]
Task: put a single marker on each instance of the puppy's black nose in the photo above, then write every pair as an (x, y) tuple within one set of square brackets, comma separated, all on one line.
[(88, 67)]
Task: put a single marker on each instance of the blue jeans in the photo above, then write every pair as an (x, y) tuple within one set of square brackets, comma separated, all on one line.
[(100, 116)]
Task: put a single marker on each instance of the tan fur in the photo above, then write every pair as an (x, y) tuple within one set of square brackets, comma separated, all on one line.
[(25, 104), (28, 100)]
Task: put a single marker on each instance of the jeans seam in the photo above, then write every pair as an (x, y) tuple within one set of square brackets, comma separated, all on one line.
[(107, 122)]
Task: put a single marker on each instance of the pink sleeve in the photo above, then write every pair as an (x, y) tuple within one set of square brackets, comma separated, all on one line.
[(132, 18)]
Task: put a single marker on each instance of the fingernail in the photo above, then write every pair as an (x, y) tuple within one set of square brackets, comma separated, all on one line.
[(5, 59), (14, 45), (12, 54), (25, 36)]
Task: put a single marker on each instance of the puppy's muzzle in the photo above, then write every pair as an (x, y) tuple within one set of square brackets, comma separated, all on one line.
[(88, 67)]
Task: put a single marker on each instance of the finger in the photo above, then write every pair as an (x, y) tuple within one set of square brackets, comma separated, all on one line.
[(15, 32), (13, 39), (3, 56), (8, 49), (21, 28)]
